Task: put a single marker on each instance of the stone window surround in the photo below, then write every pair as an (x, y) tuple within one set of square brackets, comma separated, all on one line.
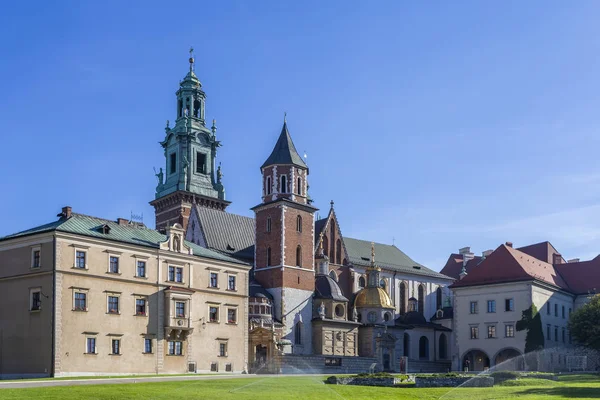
[(175, 265), (225, 342), (151, 339), (218, 307), (33, 250), (87, 298), (90, 335), (137, 297), (117, 255), (235, 308), (138, 258), (174, 348), (113, 294), (179, 299), (115, 336), (84, 250), (32, 290), (211, 271), (234, 275)]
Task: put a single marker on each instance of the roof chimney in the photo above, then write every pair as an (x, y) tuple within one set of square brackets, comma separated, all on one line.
[(65, 212), (509, 244), (463, 273), (123, 221), (573, 260), (486, 253), (556, 258), (464, 250)]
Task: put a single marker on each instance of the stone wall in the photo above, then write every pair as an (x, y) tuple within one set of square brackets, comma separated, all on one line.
[(363, 381), (315, 364), (476, 381)]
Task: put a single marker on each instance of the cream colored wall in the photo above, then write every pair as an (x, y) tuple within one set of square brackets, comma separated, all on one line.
[(463, 320), (25, 336), (541, 297)]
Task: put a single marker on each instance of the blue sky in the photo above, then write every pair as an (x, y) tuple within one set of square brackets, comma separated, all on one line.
[(433, 125)]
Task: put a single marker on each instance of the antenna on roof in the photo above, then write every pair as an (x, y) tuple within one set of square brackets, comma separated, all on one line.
[(137, 217)]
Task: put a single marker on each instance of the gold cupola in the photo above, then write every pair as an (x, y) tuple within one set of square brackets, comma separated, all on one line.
[(373, 296)]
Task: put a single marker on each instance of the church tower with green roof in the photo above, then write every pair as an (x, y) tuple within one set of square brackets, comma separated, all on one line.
[(189, 176)]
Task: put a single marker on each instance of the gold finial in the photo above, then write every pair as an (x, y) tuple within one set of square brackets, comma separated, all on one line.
[(191, 60), (372, 253)]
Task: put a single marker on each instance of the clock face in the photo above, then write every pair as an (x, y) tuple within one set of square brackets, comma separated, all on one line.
[(372, 317)]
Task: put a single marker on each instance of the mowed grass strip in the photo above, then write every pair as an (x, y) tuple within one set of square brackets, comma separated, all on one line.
[(276, 388)]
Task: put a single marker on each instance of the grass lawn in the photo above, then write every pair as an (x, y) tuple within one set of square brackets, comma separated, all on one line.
[(265, 388), (74, 378)]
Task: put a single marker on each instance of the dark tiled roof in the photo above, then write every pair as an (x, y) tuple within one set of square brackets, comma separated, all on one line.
[(387, 257), (134, 234), (255, 289), (327, 288), (447, 313), (319, 226), (414, 319), (454, 265), (543, 251), (506, 264), (581, 277), (284, 151), (227, 233)]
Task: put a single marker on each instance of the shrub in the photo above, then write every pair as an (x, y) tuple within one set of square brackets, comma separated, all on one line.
[(375, 375), (502, 376)]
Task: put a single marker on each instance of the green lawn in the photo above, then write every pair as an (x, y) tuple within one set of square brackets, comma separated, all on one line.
[(265, 388)]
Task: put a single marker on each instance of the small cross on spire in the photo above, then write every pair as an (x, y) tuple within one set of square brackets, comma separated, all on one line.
[(285, 117), (191, 59), (331, 203)]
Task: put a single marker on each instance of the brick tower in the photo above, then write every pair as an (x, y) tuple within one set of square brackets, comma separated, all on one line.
[(190, 150), (284, 251)]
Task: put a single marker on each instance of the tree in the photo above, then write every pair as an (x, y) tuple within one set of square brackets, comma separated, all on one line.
[(532, 323), (585, 324)]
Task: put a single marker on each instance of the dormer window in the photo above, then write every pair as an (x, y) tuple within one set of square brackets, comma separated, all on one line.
[(283, 184), (105, 229)]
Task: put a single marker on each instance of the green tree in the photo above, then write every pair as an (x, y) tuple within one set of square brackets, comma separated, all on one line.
[(585, 324), (532, 323)]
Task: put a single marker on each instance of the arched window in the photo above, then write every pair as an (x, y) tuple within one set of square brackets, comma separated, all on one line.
[(443, 346), (333, 275), (283, 184), (438, 298), (299, 256), (421, 299), (332, 223), (402, 298), (269, 186), (361, 282), (268, 224), (298, 223), (338, 251), (424, 348), (299, 186), (325, 245), (298, 333), (268, 256), (406, 345), (382, 283)]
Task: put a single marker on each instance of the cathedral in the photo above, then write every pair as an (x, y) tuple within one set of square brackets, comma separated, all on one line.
[(317, 299)]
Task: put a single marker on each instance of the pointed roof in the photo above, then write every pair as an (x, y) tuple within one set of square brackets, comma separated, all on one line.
[(284, 151)]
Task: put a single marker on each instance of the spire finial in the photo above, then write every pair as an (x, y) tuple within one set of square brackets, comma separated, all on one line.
[(285, 117), (214, 127), (331, 204), (372, 253), (191, 60)]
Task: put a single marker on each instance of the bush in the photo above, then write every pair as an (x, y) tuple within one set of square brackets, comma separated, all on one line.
[(403, 378), (331, 380), (502, 376), (375, 375), (446, 375)]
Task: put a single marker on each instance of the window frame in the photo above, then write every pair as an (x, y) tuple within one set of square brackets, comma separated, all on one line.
[(491, 331), (491, 303), (38, 291), (179, 275), (114, 341), (173, 163), (474, 332), (510, 302), (148, 340), (507, 328), (76, 260), (145, 312), (299, 223), (217, 313), (213, 283), (137, 269), (235, 319), (175, 348), (38, 250), (474, 307), (229, 278), (176, 309), (85, 293), (171, 273), (222, 349), (111, 258), (117, 296), (87, 344)]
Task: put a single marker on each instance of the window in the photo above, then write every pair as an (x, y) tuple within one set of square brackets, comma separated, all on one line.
[(361, 282), (140, 306), (269, 186), (200, 163), (213, 313), (402, 298), (232, 316), (148, 346), (90, 345), (338, 251), (173, 164), (113, 304), (80, 259), (424, 348), (35, 258), (421, 299), (179, 274), (222, 349), (35, 302), (556, 333), (548, 308), (80, 301), (548, 336), (113, 265), (175, 348), (214, 367), (563, 312), (268, 224), (298, 333), (299, 186), (214, 280), (171, 276), (268, 256), (180, 309), (491, 331), (491, 306), (141, 269), (474, 332), (563, 335), (382, 283), (116, 346), (509, 305), (438, 298), (473, 308), (509, 330), (283, 184), (298, 256), (231, 282), (298, 223), (555, 310)]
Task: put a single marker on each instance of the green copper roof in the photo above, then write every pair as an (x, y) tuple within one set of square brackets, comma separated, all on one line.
[(284, 151), (134, 234)]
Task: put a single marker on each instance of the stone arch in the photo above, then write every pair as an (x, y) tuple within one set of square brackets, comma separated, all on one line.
[(443, 347), (423, 348), (478, 359), (509, 358), (361, 282)]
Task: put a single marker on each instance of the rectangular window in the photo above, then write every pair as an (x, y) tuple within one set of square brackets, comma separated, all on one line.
[(563, 336), (175, 348), (231, 282), (180, 309), (148, 346), (113, 267), (474, 309), (269, 224), (563, 312), (214, 280), (35, 262), (548, 334), (80, 259), (491, 331), (171, 276), (91, 345), (222, 349), (555, 310), (179, 274), (36, 300), (116, 346), (491, 306), (509, 330), (213, 314), (231, 316), (200, 163), (113, 304), (173, 164), (509, 305), (474, 332), (80, 301), (141, 269), (140, 306), (548, 308), (556, 333)]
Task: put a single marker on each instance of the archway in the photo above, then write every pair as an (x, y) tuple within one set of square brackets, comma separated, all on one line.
[(476, 360), (443, 347), (509, 359), (424, 348), (406, 345)]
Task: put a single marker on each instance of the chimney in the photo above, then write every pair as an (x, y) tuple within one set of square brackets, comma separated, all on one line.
[(463, 273), (464, 250), (573, 260), (509, 244), (556, 258), (123, 221), (65, 212), (486, 253)]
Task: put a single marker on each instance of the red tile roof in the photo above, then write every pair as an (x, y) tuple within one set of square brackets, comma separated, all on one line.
[(455, 263), (581, 276), (543, 251)]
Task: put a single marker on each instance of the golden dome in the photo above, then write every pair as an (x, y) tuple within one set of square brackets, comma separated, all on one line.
[(373, 297)]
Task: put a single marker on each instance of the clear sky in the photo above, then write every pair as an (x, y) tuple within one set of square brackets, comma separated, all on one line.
[(435, 125)]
